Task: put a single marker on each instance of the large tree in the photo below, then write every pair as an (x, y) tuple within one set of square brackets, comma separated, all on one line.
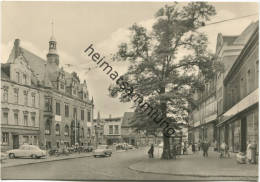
[(165, 64)]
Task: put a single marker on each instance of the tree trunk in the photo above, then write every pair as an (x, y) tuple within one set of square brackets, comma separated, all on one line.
[(166, 148)]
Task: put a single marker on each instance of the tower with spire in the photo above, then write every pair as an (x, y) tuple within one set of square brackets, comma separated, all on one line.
[(52, 56)]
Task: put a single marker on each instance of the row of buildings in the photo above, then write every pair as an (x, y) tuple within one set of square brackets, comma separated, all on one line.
[(113, 130), (228, 107), (41, 103)]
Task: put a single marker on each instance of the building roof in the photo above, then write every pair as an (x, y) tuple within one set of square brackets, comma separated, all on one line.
[(240, 59), (127, 118)]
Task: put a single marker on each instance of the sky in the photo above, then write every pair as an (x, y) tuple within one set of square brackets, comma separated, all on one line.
[(103, 24)]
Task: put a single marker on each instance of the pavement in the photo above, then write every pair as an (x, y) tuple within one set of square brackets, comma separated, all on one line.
[(25, 161), (112, 168), (197, 165)]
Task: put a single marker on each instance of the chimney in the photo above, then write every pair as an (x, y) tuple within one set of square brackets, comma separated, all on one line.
[(17, 48)]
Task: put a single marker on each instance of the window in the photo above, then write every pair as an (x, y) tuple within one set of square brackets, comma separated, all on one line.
[(48, 127), (16, 95), (48, 104), (33, 100), (89, 132), (57, 108), (5, 138), (257, 73), (66, 110), (25, 98), (82, 115), (17, 77), (5, 94), (110, 129), (5, 118), (75, 113), (16, 118), (248, 81), (82, 132), (57, 129), (25, 120), (116, 129), (62, 86), (24, 79), (33, 120), (66, 133), (26, 140), (89, 116)]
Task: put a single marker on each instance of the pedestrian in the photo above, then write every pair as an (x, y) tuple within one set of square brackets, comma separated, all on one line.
[(150, 151), (249, 152), (205, 148), (193, 148), (199, 144)]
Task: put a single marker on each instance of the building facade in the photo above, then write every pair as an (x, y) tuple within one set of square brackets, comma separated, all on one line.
[(206, 117), (112, 130), (63, 111), (20, 104), (239, 122)]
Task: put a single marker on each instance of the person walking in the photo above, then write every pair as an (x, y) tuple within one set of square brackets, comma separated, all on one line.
[(205, 148), (150, 151), (193, 147)]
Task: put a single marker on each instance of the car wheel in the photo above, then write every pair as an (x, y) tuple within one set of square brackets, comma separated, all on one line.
[(34, 156), (95, 156), (11, 156)]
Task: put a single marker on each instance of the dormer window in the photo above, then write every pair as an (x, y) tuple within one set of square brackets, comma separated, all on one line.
[(24, 79), (17, 74)]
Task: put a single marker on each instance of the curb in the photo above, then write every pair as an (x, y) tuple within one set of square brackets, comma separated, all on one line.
[(184, 174), (46, 161)]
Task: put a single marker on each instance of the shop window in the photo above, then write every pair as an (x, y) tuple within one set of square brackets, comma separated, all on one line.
[(5, 138)]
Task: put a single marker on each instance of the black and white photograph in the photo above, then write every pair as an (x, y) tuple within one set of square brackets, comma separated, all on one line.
[(129, 90)]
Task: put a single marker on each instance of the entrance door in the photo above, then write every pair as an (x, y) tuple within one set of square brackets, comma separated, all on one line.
[(243, 134), (15, 141)]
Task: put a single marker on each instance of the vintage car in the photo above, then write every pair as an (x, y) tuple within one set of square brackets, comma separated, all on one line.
[(26, 150), (102, 150)]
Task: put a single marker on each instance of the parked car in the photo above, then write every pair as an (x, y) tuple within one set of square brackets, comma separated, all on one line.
[(88, 148), (4, 156), (128, 146), (102, 150), (27, 151)]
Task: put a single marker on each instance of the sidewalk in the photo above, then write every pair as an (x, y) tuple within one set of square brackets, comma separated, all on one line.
[(197, 165)]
